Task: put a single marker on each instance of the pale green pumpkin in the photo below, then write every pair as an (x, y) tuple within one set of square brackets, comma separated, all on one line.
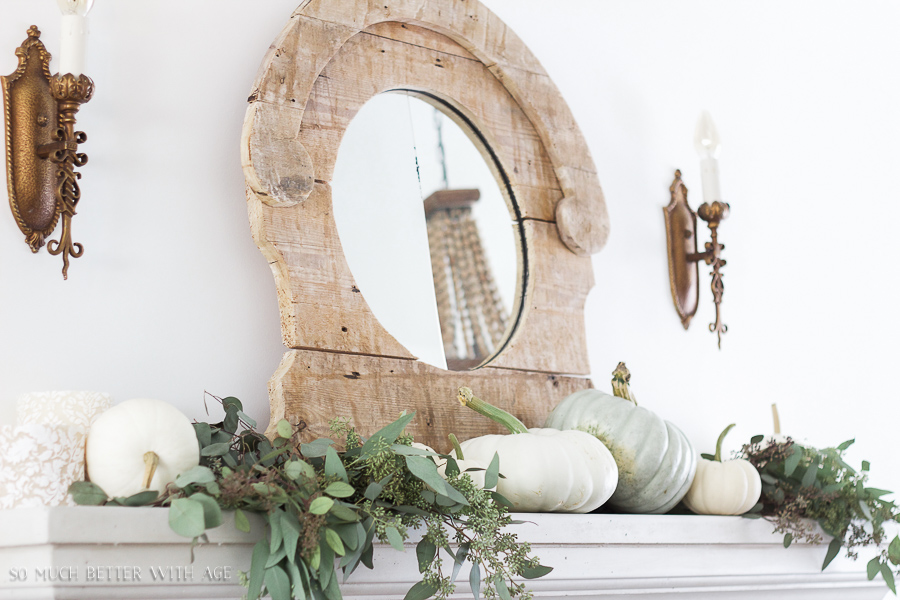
[(656, 461)]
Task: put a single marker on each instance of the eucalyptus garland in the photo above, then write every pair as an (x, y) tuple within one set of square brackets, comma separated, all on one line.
[(324, 507), (802, 485)]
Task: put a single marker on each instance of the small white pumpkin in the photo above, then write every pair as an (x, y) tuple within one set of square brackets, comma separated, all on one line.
[(731, 487), (545, 470), (140, 445)]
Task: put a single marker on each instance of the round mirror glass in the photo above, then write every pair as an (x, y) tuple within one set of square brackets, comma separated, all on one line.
[(426, 229)]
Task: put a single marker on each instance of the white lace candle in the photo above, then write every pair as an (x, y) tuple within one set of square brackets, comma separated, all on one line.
[(62, 408), (38, 463)]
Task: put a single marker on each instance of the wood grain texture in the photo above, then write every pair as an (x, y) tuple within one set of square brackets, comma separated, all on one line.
[(315, 387), (319, 27), (330, 59), (551, 337), (321, 306)]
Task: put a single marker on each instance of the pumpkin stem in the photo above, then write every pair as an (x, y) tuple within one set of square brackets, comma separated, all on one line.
[(466, 398), (457, 448), (775, 419), (620, 381), (718, 456), (151, 461)]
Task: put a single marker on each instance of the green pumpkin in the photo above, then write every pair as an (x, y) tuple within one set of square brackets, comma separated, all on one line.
[(656, 461)]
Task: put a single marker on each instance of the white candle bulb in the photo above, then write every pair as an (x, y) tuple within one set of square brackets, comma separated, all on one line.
[(74, 35), (707, 143)]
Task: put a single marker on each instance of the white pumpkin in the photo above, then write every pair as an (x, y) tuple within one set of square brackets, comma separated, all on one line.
[(545, 470), (731, 487), (125, 441)]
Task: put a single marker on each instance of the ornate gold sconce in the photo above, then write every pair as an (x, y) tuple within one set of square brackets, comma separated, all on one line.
[(684, 260), (42, 147)]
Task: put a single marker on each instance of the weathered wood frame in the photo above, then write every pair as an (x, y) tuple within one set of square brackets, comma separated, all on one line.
[(328, 61)]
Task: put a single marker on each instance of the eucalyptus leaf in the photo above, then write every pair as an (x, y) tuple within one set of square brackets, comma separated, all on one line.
[(85, 493), (873, 567), (203, 433), (276, 557), (186, 517), (894, 550), (707, 456), (394, 538), (230, 424), (140, 499), (290, 532), (212, 513), (246, 418), (888, 577), (865, 465), (321, 505), (284, 429), (298, 588), (198, 474), (278, 584), (343, 512), (276, 532), (295, 468), (257, 569), (757, 439), (326, 565), (792, 461), (334, 541), (232, 403), (333, 465), (475, 580), (348, 535), (420, 591), (425, 552), (501, 588), (873, 493), (809, 477), (316, 448), (833, 548), (535, 572), (493, 471), (426, 470), (451, 467), (216, 449), (241, 523), (844, 445), (788, 538), (389, 434), (461, 553)]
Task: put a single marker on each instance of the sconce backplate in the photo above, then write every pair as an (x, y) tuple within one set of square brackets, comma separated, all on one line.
[(681, 242), (29, 111)]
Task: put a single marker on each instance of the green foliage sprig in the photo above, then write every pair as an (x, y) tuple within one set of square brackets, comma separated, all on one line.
[(801, 483), (324, 507)]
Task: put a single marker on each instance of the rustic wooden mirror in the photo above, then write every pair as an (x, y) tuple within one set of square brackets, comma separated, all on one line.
[(330, 59)]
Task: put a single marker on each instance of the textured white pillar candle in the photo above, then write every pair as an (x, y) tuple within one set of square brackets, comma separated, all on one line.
[(74, 35), (706, 141)]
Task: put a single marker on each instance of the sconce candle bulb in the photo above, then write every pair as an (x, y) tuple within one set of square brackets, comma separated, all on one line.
[(707, 143), (74, 35)]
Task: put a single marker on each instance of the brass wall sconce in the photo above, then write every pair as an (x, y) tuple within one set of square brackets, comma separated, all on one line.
[(684, 260), (42, 147)]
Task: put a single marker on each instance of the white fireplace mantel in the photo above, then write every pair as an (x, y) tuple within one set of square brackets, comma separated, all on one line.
[(129, 553)]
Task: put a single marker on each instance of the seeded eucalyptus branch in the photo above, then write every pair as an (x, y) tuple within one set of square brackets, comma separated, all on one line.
[(801, 483), (324, 507)]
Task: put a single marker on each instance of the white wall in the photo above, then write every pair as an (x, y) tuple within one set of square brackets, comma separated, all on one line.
[(172, 298)]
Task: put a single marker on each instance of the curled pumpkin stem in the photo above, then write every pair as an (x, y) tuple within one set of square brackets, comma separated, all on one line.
[(498, 415), (718, 456), (456, 447), (620, 383), (775, 420), (151, 461)]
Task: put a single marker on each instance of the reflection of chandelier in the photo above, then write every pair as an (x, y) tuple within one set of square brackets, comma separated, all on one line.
[(473, 318)]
